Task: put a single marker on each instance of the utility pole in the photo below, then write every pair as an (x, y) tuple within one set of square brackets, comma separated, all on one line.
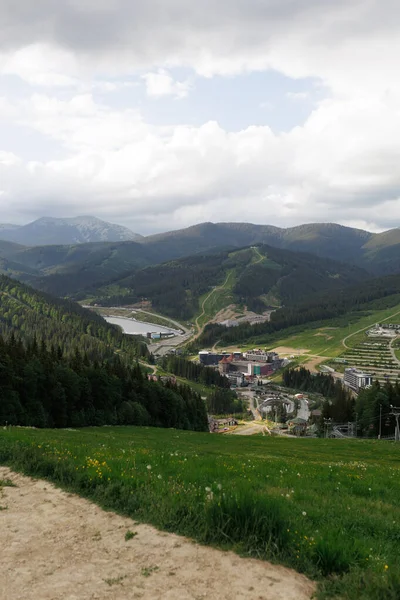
[(396, 413), (380, 422), (356, 423)]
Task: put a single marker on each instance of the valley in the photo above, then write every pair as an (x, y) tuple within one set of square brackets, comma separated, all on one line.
[(113, 417)]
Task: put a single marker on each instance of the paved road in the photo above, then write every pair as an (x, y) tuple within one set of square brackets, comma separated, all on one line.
[(303, 412), (344, 340)]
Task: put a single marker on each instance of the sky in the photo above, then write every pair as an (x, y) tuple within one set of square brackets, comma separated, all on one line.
[(161, 114)]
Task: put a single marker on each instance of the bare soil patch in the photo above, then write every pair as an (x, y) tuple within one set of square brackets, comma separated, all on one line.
[(291, 351), (58, 546), (312, 364)]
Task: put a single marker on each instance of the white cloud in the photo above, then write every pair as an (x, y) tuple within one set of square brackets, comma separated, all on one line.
[(341, 165), (162, 84), (118, 162)]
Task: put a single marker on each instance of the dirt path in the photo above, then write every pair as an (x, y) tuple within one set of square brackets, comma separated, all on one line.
[(57, 546)]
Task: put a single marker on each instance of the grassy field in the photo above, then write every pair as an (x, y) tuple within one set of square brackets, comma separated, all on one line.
[(214, 301), (328, 340), (327, 508)]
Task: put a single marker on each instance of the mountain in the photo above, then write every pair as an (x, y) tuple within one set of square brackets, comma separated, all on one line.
[(29, 314), (323, 239), (76, 230), (378, 253), (64, 366), (68, 270), (255, 277)]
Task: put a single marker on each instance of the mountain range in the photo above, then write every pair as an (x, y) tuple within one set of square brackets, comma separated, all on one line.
[(76, 230), (82, 268), (377, 252)]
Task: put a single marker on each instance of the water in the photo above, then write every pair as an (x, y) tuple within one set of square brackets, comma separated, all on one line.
[(132, 327)]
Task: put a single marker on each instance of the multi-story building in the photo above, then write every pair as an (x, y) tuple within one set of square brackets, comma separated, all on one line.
[(356, 380), (260, 356)]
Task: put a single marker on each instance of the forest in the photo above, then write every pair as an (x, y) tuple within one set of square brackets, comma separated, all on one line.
[(193, 371), (29, 313), (373, 294), (43, 387), (261, 274)]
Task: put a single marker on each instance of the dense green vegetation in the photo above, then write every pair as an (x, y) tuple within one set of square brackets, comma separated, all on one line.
[(74, 270), (28, 313), (328, 508), (378, 253), (42, 388), (340, 405), (257, 276), (352, 302), (193, 371), (77, 270), (373, 409)]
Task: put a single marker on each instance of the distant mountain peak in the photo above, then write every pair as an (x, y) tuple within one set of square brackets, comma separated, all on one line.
[(68, 230)]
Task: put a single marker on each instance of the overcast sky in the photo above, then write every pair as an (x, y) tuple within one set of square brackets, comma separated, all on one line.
[(158, 114)]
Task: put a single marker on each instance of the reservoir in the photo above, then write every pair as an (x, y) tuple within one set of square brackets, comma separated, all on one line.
[(132, 327)]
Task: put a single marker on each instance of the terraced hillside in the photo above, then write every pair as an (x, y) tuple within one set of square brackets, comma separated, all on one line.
[(376, 356)]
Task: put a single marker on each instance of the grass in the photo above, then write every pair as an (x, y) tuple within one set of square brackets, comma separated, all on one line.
[(327, 340), (220, 297), (129, 535), (147, 571), (328, 508)]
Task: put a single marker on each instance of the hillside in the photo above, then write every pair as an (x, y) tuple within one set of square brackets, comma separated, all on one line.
[(68, 270), (77, 230), (378, 253), (78, 270), (30, 314), (255, 277), (328, 508), (324, 239), (338, 308)]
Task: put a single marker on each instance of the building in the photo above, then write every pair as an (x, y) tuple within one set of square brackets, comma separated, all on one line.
[(223, 365), (260, 356), (210, 359), (356, 380), (264, 370)]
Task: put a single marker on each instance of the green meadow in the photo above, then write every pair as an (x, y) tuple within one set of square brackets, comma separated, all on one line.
[(328, 339), (327, 508)]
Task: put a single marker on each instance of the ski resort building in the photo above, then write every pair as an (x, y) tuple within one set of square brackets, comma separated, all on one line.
[(356, 380)]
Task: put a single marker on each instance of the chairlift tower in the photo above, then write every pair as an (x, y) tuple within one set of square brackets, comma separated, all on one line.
[(396, 413)]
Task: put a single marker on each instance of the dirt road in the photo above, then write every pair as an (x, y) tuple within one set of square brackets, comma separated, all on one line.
[(57, 546)]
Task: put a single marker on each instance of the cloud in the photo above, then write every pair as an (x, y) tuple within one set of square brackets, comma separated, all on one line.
[(120, 166), (161, 84), (339, 165)]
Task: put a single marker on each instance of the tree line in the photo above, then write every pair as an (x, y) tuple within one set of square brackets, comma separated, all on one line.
[(63, 323), (351, 302), (193, 371), (43, 387)]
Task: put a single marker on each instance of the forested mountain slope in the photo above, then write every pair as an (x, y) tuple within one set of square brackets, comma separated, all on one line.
[(69, 270), (27, 314), (43, 388), (259, 277), (79, 270), (371, 295)]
